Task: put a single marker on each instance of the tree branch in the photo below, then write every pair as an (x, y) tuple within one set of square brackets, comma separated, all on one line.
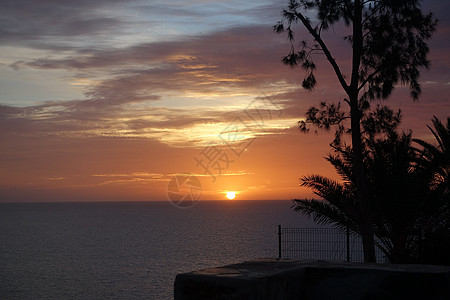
[(368, 78), (325, 50)]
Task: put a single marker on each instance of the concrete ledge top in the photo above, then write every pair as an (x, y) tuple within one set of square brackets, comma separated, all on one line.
[(267, 267), (272, 279)]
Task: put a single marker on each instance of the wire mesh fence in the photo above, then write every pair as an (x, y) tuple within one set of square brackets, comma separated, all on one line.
[(323, 244)]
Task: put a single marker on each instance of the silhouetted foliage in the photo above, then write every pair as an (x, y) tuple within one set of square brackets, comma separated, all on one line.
[(436, 160), (388, 41), (409, 197), (388, 46)]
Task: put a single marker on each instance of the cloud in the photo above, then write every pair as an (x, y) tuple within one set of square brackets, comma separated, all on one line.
[(40, 23), (178, 92), (133, 174), (175, 127), (65, 24), (220, 64), (55, 178), (130, 178)]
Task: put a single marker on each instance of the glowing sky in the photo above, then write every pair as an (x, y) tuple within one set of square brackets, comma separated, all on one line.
[(108, 99)]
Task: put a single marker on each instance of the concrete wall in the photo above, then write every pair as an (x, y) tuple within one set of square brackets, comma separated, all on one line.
[(288, 280)]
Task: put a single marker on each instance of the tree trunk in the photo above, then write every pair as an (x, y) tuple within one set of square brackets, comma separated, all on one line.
[(358, 163), (361, 185)]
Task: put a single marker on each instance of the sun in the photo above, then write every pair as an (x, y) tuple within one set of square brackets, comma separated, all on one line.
[(231, 195)]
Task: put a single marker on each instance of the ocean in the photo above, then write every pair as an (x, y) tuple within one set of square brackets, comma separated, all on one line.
[(129, 250)]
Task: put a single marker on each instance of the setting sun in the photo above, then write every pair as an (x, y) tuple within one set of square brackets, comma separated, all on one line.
[(231, 195)]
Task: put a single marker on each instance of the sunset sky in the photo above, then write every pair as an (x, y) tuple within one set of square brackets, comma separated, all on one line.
[(109, 99)]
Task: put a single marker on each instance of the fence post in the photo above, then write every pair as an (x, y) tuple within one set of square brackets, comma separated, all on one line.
[(279, 241), (348, 244)]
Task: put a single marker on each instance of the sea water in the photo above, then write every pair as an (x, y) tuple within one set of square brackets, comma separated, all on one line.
[(129, 250)]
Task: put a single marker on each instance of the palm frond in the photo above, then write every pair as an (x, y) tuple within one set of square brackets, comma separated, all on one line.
[(337, 194), (342, 165), (322, 212), (441, 133)]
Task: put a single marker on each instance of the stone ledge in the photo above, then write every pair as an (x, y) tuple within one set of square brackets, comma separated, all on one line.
[(291, 279)]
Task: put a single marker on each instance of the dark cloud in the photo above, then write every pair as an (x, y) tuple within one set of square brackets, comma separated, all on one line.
[(61, 24), (47, 23), (242, 57)]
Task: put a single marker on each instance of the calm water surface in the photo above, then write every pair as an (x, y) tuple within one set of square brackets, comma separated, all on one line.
[(128, 250)]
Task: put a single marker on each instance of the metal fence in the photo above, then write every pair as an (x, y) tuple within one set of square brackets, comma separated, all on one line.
[(323, 244)]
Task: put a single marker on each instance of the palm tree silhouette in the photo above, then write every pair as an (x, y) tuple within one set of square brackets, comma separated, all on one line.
[(404, 199), (436, 225), (437, 157)]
